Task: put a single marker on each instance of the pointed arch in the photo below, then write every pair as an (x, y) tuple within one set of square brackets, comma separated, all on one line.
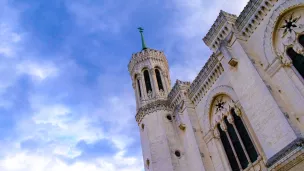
[(225, 117), (297, 60), (223, 89)]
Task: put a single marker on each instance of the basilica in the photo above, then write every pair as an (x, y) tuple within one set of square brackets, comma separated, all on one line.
[(245, 108)]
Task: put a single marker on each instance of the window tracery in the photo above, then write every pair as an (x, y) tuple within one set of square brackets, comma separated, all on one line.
[(289, 39), (230, 129), (290, 24)]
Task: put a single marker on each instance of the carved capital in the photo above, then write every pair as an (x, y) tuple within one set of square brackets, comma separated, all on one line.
[(286, 62), (152, 71), (230, 118), (216, 133), (237, 110), (223, 125)]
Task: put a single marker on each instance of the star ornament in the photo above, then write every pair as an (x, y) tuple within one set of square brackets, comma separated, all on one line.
[(220, 105), (290, 24)]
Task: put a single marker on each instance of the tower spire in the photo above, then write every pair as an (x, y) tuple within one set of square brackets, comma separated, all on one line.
[(141, 30)]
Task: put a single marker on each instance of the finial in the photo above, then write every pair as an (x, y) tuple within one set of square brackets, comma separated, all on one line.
[(141, 30)]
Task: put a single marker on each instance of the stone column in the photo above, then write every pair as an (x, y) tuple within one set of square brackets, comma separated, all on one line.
[(154, 83), (166, 82), (165, 85), (143, 87)]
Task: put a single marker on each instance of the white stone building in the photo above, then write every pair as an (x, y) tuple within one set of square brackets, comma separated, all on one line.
[(244, 110)]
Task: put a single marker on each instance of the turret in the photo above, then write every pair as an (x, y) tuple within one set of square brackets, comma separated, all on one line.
[(149, 71)]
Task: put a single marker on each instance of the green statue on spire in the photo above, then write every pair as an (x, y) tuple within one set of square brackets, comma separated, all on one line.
[(141, 30)]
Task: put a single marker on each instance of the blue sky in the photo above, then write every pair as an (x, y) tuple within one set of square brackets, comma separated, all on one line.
[(66, 98)]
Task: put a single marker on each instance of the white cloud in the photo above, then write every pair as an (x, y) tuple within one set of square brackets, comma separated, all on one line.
[(30, 162), (38, 71), (9, 44), (191, 21), (59, 126)]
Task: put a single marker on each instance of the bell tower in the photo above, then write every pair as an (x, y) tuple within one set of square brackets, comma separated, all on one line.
[(149, 72)]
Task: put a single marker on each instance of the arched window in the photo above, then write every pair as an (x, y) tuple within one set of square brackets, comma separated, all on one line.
[(297, 59), (228, 150), (159, 81), (139, 89), (301, 40), (230, 129), (147, 81), (236, 141)]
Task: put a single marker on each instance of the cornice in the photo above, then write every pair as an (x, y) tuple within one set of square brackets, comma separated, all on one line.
[(281, 155), (175, 96), (221, 24), (244, 25), (252, 15), (145, 55), (152, 107), (205, 79)]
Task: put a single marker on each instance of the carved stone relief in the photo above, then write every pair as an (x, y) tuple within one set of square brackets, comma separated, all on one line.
[(284, 26), (221, 107), (286, 34)]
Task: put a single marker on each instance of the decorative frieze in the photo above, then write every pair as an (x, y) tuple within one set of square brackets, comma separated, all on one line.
[(219, 30), (152, 107), (158, 57), (252, 15), (176, 96), (205, 79), (244, 25)]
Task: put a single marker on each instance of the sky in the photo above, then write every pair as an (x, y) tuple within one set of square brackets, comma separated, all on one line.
[(66, 97)]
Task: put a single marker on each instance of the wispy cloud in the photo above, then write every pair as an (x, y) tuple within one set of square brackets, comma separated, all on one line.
[(190, 22), (66, 98)]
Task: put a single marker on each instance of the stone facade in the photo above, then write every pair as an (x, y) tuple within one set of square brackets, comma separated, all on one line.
[(244, 110)]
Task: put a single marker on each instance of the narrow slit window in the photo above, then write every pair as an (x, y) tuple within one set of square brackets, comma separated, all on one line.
[(147, 81), (297, 60), (139, 89), (159, 81)]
